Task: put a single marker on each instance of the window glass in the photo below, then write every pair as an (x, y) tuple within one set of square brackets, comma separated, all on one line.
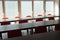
[(11, 8), (49, 8), (26, 8), (56, 7), (1, 12), (38, 8)]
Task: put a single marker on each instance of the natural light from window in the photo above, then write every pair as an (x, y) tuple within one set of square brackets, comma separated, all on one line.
[(11, 9)]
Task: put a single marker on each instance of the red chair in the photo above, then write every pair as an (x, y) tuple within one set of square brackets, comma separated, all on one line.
[(14, 33), (39, 19), (23, 21), (5, 23), (57, 27), (51, 26), (51, 18), (40, 29)]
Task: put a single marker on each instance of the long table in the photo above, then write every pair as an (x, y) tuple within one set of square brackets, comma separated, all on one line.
[(41, 36), (27, 25), (6, 28)]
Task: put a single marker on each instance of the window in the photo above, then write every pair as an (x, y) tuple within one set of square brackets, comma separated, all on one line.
[(56, 7), (11, 8), (26, 8), (38, 8), (1, 12), (49, 8)]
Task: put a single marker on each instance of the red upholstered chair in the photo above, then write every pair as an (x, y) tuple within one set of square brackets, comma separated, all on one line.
[(5, 23), (24, 30), (40, 29), (23, 21), (51, 27), (39, 19), (57, 27), (14, 33), (50, 18)]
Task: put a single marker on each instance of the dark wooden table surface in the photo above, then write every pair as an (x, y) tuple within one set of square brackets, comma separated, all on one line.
[(41, 36)]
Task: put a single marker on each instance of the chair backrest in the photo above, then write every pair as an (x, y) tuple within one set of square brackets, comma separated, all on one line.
[(23, 21), (39, 19), (5, 23), (51, 18)]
